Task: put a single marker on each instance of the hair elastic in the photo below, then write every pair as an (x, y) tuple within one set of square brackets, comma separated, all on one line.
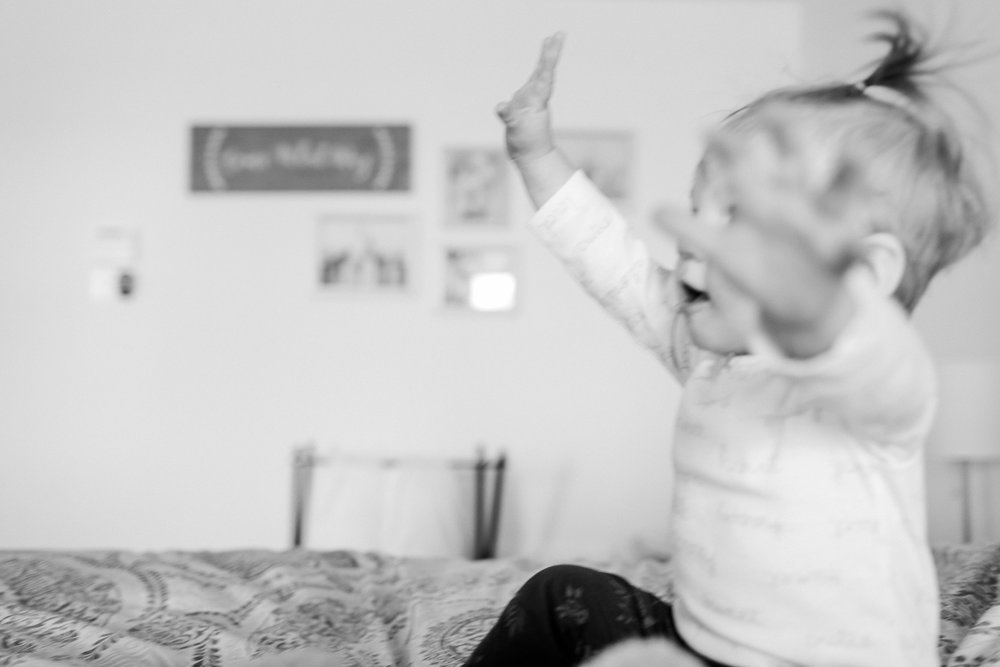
[(886, 95)]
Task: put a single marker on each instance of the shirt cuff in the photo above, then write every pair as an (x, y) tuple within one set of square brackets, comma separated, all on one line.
[(577, 192)]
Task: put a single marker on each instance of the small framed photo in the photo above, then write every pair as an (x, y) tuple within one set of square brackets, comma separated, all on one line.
[(476, 188), (605, 156), (481, 279), (365, 254)]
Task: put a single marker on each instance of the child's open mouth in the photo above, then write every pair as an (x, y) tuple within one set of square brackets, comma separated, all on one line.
[(693, 295)]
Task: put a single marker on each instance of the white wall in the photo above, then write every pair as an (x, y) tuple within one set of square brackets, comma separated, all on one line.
[(960, 316), (167, 422)]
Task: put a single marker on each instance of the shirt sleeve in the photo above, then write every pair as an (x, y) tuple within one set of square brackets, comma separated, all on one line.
[(588, 234), (878, 378)]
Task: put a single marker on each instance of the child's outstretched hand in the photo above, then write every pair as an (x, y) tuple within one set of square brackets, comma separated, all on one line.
[(793, 233), (526, 114)]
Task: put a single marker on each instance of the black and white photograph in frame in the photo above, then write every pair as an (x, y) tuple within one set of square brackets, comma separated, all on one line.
[(481, 279), (606, 157), (476, 188), (365, 253)]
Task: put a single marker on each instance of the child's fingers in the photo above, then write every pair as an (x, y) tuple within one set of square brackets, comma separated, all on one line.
[(800, 166), (540, 84), (549, 57), (781, 191), (537, 90), (748, 258), (762, 181), (736, 252)]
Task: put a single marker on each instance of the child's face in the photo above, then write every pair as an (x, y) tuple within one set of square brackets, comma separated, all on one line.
[(717, 315)]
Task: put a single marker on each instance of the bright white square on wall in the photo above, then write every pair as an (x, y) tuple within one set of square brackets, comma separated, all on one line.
[(481, 279)]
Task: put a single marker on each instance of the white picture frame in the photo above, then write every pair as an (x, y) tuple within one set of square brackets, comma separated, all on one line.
[(477, 188), (481, 278), (605, 156), (365, 253)]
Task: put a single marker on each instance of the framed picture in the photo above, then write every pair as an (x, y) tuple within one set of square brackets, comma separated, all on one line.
[(476, 188), (481, 279), (605, 156), (300, 158), (115, 262), (365, 254)]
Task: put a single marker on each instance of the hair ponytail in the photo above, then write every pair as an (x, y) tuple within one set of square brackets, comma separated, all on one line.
[(906, 60), (894, 125)]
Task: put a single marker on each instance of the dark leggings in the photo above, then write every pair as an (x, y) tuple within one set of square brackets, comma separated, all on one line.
[(566, 614)]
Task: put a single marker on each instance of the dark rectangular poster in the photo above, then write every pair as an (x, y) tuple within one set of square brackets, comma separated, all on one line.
[(239, 158)]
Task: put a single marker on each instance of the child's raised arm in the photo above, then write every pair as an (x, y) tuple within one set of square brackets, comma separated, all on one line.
[(529, 131)]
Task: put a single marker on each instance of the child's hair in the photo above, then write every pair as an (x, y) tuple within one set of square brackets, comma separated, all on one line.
[(909, 151)]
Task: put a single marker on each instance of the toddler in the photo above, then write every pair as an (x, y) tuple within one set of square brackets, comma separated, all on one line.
[(819, 215)]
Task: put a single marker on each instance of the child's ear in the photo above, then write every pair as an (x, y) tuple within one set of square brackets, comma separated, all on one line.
[(885, 257)]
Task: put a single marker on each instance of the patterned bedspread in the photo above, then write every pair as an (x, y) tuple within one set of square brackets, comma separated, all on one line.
[(226, 608)]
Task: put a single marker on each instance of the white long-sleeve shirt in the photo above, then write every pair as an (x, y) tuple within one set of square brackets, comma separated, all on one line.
[(798, 516)]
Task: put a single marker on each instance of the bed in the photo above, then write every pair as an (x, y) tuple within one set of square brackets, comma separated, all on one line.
[(241, 607)]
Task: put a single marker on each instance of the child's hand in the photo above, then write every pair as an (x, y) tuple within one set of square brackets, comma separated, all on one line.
[(526, 114), (794, 232)]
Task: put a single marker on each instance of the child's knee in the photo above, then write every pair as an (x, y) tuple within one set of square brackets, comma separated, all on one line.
[(557, 579)]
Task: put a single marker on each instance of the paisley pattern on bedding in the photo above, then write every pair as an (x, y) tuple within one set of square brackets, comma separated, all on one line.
[(970, 614), (207, 609)]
